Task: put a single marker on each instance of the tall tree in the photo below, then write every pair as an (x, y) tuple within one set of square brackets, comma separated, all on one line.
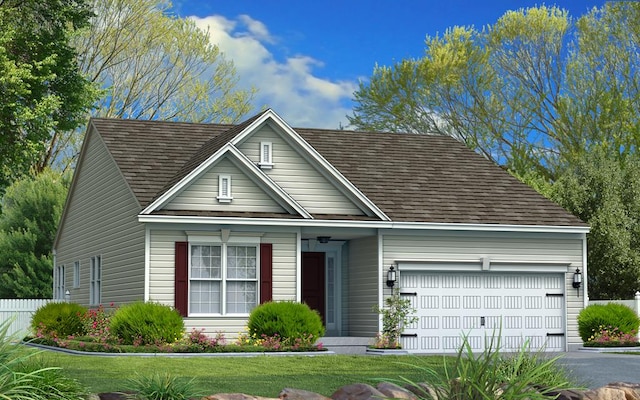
[(41, 88), (534, 91), (31, 210)]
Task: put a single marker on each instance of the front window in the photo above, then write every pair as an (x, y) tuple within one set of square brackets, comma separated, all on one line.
[(223, 279)]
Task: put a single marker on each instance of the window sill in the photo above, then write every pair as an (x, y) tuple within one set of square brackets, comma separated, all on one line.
[(265, 165), (224, 199)]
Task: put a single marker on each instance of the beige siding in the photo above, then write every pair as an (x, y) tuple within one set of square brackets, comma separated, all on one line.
[(525, 248), (101, 219), (363, 287), (203, 192), (297, 177), (162, 273)]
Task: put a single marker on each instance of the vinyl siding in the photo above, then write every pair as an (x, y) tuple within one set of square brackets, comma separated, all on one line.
[(101, 219), (297, 177), (162, 265), (202, 193), (363, 287), (497, 247)]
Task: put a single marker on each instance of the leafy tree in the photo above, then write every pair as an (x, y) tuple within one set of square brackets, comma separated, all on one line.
[(533, 92), (42, 90), (31, 210), (150, 64), (605, 192)]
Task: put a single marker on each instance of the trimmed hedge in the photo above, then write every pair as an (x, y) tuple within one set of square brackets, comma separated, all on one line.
[(61, 319), (147, 323), (287, 319)]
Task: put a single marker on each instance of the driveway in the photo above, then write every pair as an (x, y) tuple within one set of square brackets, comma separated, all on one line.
[(593, 369)]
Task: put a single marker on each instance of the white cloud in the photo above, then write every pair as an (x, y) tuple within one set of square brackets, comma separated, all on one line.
[(289, 86)]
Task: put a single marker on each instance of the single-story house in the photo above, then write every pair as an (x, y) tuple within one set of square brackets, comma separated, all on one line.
[(214, 219)]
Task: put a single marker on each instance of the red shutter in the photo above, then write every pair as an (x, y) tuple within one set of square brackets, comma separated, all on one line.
[(266, 274), (182, 278)]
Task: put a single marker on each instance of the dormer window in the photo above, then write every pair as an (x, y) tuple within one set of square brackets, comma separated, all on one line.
[(266, 155), (224, 189)]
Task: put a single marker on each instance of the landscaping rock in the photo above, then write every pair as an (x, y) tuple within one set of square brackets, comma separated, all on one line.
[(357, 391), (631, 390), (299, 394), (235, 396), (605, 393), (422, 390), (393, 391), (566, 394)]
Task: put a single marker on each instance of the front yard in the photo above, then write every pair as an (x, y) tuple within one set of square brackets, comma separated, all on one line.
[(262, 375)]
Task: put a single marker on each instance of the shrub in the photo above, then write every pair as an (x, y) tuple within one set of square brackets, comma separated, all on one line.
[(287, 320), (58, 319), (146, 323), (592, 318), (396, 314)]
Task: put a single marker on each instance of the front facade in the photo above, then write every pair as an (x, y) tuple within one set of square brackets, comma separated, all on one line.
[(215, 219)]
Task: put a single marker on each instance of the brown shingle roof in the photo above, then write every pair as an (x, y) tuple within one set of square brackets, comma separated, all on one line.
[(412, 178)]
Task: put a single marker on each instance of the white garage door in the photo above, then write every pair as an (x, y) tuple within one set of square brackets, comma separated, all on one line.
[(450, 305)]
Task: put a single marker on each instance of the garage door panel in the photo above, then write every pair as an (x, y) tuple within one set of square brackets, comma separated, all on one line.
[(450, 306)]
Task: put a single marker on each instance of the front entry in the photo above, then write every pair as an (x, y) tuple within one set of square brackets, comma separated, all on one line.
[(313, 282)]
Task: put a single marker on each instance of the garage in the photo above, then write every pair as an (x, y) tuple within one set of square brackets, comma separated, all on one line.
[(521, 305)]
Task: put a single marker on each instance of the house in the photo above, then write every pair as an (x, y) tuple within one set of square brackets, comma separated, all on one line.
[(214, 219)]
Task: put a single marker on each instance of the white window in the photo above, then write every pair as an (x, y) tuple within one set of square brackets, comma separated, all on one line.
[(266, 155), (76, 274), (95, 285), (59, 282), (224, 189), (223, 278)]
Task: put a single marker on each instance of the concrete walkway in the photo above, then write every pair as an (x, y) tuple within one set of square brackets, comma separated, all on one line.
[(593, 369)]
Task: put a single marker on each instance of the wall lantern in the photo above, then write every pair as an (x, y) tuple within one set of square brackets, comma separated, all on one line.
[(324, 239), (577, 280), (67, 296), (391, 277)]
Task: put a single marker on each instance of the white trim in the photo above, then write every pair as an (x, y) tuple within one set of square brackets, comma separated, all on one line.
[(426, 226), (224, 188), (299, 266), (585, 291), (479, 265), (266, 162), (381, 285), (147, 263)]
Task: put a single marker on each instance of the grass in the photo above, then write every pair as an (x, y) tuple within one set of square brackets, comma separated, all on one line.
[(262, 376)]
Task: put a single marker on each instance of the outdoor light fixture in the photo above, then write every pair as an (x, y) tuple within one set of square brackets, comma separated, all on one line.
[(324, 239), (577, 280), (67, 296), (391, 277)]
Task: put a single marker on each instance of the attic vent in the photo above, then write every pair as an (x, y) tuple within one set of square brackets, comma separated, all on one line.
[(266, 155), (224, 189)]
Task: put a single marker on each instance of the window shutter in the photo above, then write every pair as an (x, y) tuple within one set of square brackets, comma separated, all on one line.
[(266, 274), (182, 278)]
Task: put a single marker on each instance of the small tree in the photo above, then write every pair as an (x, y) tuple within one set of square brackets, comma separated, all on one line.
[(396, 314)]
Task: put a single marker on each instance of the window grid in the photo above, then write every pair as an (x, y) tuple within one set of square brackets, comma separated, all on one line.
[(223, 279), (76, 274)]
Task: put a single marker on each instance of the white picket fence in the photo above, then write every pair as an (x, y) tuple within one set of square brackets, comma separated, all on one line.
[(19, 311)]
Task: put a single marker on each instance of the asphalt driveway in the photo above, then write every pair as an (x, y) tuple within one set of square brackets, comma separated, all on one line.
[(593, 369)]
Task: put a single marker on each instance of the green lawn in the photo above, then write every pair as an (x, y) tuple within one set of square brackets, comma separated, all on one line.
[(261, 375)]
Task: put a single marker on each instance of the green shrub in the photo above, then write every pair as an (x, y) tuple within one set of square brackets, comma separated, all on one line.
[(147, 323), (596, 316), (286, 319), (58, 319), (162, 387)]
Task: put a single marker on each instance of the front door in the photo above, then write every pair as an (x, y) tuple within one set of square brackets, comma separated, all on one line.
[(313, 284)]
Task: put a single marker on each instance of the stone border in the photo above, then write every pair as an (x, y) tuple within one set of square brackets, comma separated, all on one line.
[(386, 352), (626, 349), (233, 354)]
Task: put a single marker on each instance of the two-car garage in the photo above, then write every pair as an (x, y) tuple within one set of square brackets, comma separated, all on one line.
[(522, 307)]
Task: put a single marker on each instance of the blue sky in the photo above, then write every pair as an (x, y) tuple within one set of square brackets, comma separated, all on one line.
[(306, 57)]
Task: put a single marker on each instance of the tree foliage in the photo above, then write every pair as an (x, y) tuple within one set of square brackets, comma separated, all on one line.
[(42, 90), (555, 100), (153, 65), (31, 210)]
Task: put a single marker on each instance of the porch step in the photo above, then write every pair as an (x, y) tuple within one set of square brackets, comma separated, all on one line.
[(346, 345)]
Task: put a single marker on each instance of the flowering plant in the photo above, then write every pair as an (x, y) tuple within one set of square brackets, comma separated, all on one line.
[(608, 336), (396, 314)]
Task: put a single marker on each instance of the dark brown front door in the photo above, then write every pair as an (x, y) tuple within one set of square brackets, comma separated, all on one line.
[(313, 281)]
